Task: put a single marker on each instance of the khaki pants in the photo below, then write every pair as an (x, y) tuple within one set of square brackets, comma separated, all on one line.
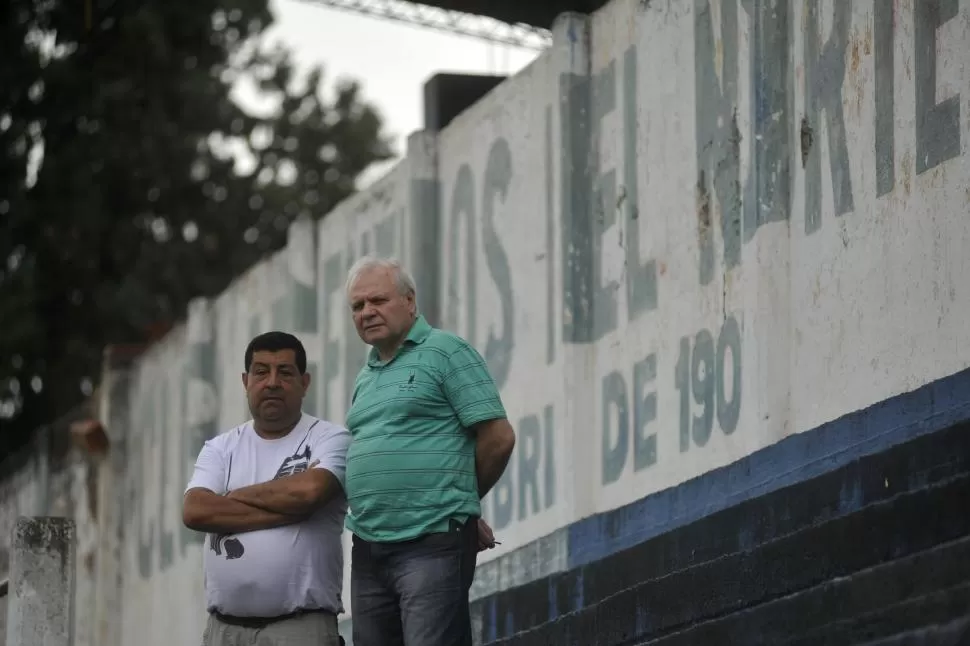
[(311, 629)]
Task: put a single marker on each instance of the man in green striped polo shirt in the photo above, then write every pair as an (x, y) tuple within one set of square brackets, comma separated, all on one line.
[(430, 439)]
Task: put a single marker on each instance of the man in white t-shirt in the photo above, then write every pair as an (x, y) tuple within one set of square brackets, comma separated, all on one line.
[(270, 496)]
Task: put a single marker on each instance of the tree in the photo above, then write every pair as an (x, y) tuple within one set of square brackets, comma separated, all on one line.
[(118, 199)]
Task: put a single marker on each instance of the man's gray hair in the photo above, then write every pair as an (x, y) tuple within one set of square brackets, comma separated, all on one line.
[(405, 284)]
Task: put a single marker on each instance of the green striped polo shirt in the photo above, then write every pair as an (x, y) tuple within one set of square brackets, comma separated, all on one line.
[(411, 464)]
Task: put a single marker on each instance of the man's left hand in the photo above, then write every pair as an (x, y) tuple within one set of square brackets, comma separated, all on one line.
[(486, 539)]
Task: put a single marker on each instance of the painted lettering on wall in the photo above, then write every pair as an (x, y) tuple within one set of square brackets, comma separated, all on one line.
[(528, 485), (708, 381), (156, 438), (462, 218), (634, 425), (824, 80), (498, 174), (154, 523), (766, 196), (885, 100), (592, 202), (550, 252), (302, 299), (767, 190), (937, 122), (333, 270), (707, 378), (717, 134), (200, 404)]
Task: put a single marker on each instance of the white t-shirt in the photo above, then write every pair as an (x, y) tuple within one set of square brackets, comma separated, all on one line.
[(273, 572)]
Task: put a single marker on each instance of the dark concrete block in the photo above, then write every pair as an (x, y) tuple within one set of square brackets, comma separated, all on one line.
[(448, 95), (909, 617), (784, 514), (882, 532), (890, 598), (955, 633)]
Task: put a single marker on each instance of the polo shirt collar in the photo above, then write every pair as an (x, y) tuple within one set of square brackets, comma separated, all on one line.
[(419, 331)]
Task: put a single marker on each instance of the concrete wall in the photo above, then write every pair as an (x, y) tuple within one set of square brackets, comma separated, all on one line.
[(689, 239)]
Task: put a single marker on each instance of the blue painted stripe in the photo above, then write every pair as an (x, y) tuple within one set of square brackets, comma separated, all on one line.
[(934, 407), (491, 622)]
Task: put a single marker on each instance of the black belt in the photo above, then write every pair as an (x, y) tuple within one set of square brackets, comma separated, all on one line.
[(262, 622)]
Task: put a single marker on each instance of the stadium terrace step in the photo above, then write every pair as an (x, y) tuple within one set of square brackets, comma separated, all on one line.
[(901, 595), (882, 509)]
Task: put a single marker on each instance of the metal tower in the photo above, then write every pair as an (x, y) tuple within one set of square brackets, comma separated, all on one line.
[(456, 22)]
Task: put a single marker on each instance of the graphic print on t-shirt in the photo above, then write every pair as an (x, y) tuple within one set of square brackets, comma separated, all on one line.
[(296, 463), (232, 546), (234, 549)]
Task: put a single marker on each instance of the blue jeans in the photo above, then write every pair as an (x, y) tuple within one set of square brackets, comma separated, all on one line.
[(414, 593)]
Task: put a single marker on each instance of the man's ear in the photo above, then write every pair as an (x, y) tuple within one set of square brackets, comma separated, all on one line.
[(305, 377), (245, 380)]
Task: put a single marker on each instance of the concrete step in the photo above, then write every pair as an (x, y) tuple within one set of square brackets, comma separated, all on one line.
[(777, 521), (909, 617), (954, 633), (890, 529), (891, 598)]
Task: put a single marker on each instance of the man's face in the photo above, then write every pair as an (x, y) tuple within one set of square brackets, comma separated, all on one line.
[(275, 387), (381, 313)]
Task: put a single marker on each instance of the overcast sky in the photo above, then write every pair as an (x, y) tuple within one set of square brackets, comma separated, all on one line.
[(391, 60)]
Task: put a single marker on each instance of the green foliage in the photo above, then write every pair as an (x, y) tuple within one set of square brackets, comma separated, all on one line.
[(118, 199)]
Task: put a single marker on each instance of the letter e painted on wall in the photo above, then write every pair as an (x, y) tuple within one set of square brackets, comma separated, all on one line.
[(593, 202)]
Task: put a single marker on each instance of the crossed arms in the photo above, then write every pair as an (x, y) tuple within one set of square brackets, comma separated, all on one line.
[(279, 502), (294, 498)]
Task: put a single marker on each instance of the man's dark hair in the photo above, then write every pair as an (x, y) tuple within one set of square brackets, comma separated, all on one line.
[(275, 342)]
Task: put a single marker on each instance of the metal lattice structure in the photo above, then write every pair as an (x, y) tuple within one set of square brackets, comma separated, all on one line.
[(455, 22)]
